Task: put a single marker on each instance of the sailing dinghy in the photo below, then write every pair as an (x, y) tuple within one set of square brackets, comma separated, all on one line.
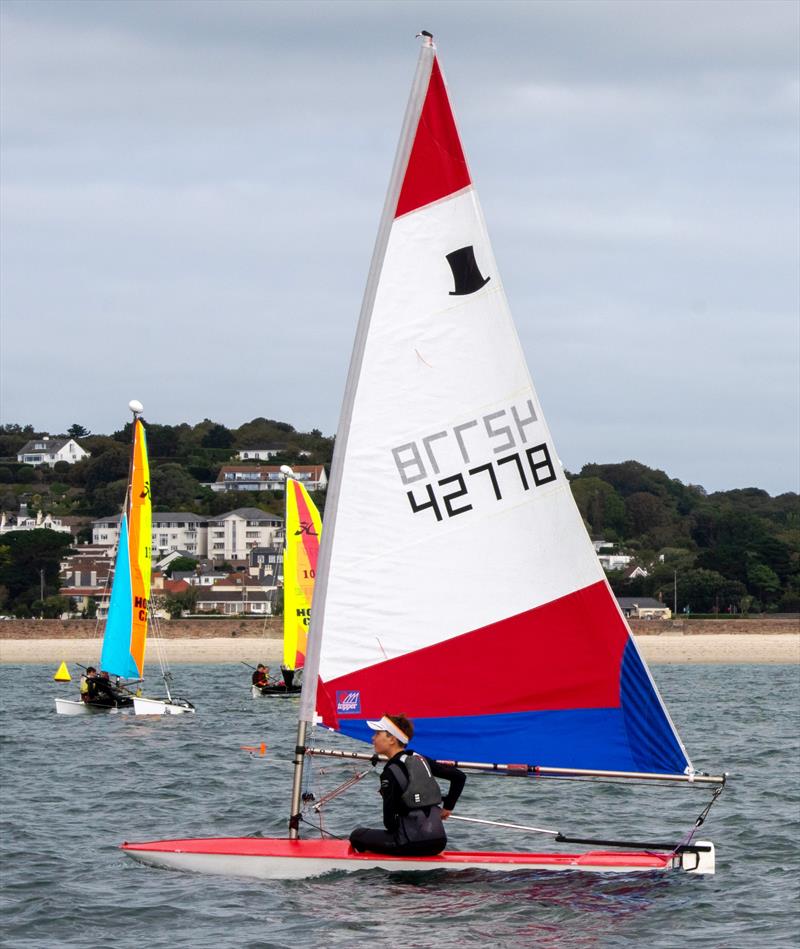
[(443, 452), (125, 634), (302, 527)]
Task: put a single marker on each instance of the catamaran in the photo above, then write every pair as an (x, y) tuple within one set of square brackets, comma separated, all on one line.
[(125, 634), (442, 452), (302, 528)]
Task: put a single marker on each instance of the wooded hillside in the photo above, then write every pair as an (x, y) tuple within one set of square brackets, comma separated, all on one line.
[(730, 551)]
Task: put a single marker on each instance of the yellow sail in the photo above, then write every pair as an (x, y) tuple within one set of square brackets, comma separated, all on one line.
[(303, 530), (140, 540)]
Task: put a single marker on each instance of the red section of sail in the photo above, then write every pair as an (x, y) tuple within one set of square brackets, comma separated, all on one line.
[(436, 166), (566, 654), (310, 537)]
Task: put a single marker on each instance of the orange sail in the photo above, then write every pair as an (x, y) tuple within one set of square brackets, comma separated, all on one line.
[(140, 540)]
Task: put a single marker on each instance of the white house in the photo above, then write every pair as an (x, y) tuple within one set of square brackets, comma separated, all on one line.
[(608, 559), (268, 478), (614, 561), (179, 530), (255, 601), (260, 454), (643, 607), (47, 451), (24, 522), (233, 535)]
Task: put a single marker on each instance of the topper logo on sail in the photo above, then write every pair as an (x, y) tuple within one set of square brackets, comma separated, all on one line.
[(348, 703), (466, 272)]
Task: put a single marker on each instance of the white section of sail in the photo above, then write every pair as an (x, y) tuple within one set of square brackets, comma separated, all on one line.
[(416, 97), (444, 395)]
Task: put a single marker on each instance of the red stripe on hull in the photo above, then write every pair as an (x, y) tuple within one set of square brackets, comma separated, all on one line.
[(436, 165), (341, 850), (564, 655)]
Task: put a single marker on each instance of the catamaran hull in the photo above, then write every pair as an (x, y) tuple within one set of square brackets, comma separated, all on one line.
[(282, 859), (142, 706), (76, 707), (271, 691)]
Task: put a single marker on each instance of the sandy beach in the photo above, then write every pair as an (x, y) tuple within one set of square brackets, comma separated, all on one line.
[(664, 648)]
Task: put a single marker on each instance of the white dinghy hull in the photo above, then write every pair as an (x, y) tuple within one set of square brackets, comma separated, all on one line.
[(282, 859), (77, 707), (143, 706)]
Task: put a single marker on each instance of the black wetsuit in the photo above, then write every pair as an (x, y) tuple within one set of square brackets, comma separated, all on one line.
[(415, 832), (102, 692)]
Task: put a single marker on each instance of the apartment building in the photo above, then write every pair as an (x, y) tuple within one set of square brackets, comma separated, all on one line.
[(179, 530)]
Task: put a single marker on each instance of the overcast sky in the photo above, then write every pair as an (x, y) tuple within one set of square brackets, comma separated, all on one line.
[(191, 193)]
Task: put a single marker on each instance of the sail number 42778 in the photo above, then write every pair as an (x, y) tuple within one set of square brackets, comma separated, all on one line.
[(516, 467)]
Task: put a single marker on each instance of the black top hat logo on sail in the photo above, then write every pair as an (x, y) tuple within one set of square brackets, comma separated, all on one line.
[(466, 273)]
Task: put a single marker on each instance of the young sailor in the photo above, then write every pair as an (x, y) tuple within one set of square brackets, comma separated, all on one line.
[(85, 687), (260, 677), (413, 809)]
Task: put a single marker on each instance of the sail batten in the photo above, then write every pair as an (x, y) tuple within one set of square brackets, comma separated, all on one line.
[(451, 533)]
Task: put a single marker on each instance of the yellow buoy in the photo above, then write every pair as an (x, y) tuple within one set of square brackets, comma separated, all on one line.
[(62, 674)]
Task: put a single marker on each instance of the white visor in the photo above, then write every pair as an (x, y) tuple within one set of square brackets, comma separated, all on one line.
[(387, 725)]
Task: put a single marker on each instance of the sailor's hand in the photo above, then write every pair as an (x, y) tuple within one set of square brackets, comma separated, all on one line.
[(445, 813)]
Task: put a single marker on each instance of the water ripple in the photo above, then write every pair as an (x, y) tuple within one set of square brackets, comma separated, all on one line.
[(74, 788)]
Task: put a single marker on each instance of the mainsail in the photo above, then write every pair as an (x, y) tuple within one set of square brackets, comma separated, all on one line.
[(303, 527), (451, 533), (126, 627)]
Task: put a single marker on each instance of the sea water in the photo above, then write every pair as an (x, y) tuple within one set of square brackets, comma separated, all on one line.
[(74, 788)]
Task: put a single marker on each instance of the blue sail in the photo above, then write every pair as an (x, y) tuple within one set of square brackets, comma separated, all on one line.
[(116, 658)]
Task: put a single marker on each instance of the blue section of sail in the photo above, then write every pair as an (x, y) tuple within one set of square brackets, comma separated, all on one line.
[(116, 657), (634, 737), (651, 737)]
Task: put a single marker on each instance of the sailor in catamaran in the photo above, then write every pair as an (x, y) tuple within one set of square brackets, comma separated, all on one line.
[(260, 677), (413, 809)]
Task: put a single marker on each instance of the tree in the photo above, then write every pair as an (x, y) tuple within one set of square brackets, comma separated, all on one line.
[(181, 565), (173, 488), (217, 437), (52, 606), (600, 506), (28, 552), (643, 512), (162, 441), (78, 431), (111, 465), (763, 581), (176, 604)]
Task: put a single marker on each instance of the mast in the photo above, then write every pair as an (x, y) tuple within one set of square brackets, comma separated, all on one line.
[(311, 670), (288, 474), (127, 611), (136, 408)]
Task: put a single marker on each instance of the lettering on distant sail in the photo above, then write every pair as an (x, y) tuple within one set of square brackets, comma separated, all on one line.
[(466, 273)]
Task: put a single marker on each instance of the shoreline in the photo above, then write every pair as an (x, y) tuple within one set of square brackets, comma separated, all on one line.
[(666, 648)]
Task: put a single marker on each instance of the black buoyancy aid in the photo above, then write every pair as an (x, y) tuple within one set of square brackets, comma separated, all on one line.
[(418, 786)]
